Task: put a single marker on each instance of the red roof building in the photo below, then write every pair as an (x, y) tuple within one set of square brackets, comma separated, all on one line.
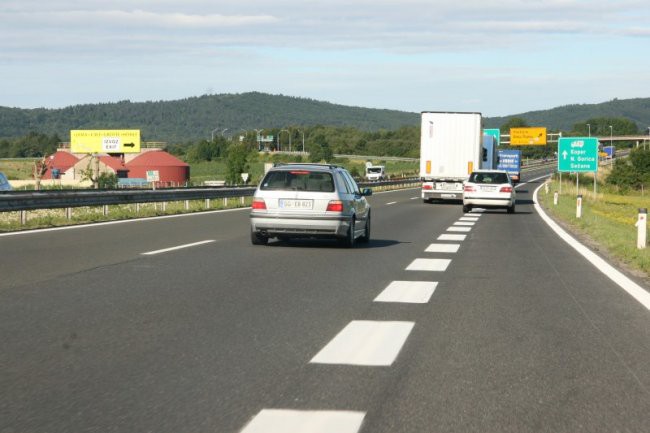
[(60, 161), (171, 170), (116, 163)]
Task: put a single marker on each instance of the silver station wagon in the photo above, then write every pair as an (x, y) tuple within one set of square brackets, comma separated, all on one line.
[(312, 201)]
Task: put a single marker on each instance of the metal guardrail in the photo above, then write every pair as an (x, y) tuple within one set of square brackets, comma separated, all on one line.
[(57, 199), (20, 200)]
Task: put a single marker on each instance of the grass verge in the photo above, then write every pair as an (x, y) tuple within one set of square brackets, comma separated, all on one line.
[(607, 223)]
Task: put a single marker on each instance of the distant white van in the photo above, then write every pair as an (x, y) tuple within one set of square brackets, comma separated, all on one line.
[(4, 183), (375, 172)]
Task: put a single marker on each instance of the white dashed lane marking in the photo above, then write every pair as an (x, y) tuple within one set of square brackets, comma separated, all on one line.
[(365, 342), (459, 229), (390, 203), (442, 248), (447, 237), (464, 223), (467, 219), (303, 421), (412, 292), (165, 250), (434, 265)]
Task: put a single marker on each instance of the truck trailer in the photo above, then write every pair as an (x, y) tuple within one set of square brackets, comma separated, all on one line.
[(451, 147), (510, 161)]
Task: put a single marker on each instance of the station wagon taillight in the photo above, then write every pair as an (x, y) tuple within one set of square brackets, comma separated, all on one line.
[(506, 189), (427, 186), (259, 204), (335, 206), (469, 188)]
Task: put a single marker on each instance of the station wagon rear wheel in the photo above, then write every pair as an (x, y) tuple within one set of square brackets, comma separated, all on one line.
[(257, 239), (349, 239), (366, 232)]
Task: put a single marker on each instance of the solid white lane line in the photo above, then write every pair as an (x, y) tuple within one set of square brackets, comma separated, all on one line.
[(632, 288), (447, 237), (433, 265), (442, 248), (464, 223), (459, 229), (390, 203), (304, 421), (365, 342), (412, 292), (110, 223), (150, 253)]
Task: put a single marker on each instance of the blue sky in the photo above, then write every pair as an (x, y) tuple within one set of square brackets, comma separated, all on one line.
[(497, 57)]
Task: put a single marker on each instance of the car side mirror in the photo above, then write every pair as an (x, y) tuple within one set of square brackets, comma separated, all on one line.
[(366, 192)]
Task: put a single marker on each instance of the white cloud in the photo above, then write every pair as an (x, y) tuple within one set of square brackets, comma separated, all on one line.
[(254, 44)]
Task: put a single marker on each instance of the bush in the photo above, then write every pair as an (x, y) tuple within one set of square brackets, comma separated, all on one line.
[(633, 172)]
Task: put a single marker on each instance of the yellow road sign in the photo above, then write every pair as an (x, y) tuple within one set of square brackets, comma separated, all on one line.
[(527, 136), (105, 141)]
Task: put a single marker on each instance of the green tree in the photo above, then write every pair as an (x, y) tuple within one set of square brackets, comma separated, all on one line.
[(236, 163), (514, 122), (632, 172)]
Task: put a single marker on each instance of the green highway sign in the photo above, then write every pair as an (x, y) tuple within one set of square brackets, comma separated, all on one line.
[(577, 154), (496, 133)]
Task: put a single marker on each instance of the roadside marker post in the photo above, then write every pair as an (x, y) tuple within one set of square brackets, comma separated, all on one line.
[(555, 195), (642, 226), (579, 206)]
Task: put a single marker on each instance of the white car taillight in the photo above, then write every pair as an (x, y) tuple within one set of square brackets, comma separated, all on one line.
[(335, 206), (258, 204)]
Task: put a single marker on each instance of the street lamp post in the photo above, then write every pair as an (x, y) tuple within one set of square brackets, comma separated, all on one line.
[(303, 140), (288, 132), (611, 142), (259, 145)]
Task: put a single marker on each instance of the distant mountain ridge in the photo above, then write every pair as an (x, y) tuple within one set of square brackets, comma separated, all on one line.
[(197, 117), (563, 118)]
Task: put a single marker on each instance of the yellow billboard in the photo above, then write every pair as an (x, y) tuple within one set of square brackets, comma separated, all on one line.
[(527, 136), (105, 141)]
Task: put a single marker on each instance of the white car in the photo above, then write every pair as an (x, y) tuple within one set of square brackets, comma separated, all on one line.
[(489, 189)]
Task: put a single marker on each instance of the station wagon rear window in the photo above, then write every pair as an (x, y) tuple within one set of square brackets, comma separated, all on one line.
[(488, 178), (298, 180)]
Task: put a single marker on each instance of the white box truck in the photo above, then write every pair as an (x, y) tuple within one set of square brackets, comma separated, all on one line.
[(451, 147), (375, 172)]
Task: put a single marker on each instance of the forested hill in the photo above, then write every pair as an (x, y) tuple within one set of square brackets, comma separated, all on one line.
[(196, 118), (565, 117)]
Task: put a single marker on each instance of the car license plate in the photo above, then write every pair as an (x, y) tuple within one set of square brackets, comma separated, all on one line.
[(296, 204), (488, 188)]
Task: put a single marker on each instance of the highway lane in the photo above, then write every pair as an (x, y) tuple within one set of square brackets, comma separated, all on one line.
[(520, 334)]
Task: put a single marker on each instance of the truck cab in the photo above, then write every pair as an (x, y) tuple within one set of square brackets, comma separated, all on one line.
[(375, 172)]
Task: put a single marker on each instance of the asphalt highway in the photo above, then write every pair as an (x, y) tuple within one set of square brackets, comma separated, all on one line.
[(444, 322)]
